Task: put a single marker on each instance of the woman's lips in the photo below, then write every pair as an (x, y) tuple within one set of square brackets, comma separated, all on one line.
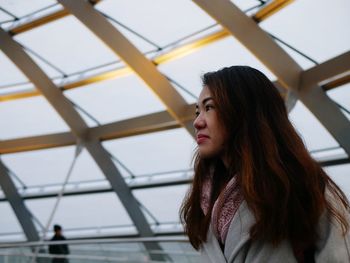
[(202, 138)]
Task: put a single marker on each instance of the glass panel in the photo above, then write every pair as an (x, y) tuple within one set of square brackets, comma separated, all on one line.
[(227, 52), (340, 174), (50, 71), (49, 166), (318, 29), (10, 229), (30, 172), (154, 153), (21, 8), (86, 169), (154, 199), (302, 61), (315, 136), (5, 17), (13, 74), (141, 44), (85, 215), (246, 4), (149, 18), (28, 117), (341, 95), (68, 45), (122, 98)]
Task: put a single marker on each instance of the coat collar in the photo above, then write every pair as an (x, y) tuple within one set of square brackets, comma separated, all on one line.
[(237, 237)]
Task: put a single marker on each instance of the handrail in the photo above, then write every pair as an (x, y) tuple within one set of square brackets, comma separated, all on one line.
[(97, 241), (173, 227), (85, 257), (102, 185), (99, 257)]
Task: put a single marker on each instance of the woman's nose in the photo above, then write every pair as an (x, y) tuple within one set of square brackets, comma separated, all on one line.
[(199, 122)]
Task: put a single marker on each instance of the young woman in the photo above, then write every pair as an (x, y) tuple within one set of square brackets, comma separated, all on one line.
[(257, 194)]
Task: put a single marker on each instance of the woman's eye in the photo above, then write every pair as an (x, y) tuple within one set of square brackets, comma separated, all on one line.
[(196, 113), (209, 107)]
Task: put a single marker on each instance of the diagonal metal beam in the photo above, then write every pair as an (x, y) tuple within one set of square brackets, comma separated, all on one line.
[(281, 64), (118, 43), (22, 213), (73, 119)]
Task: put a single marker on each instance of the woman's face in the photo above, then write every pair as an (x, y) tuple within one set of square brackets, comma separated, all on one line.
[(210, 133)]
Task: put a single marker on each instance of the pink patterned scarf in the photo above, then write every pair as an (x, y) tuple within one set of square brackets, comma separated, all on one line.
[(225, 206)]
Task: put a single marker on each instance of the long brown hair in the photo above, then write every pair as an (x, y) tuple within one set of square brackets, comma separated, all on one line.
[(283, 186)]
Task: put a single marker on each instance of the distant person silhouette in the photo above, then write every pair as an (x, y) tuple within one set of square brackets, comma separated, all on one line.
[(61, 249)]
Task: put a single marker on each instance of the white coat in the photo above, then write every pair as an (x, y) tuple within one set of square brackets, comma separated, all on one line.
[(331, 247)]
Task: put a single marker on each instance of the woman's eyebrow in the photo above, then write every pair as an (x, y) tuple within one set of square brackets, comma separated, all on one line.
[(206, 99)]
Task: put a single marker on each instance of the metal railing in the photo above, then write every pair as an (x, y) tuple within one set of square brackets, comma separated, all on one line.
[(173, 249)]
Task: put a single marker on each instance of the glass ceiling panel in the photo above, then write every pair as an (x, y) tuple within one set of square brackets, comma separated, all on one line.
[(50, 71), (155, 199), (121, 98), (9, 224), (340, 174), (317, 28), (301, 60), (314, 135), (140, 43), (49, 166), (227, 52), (13, 74), (154, 153), (86, 169), (149, 18), (5, 17), (341, 95), (68, 45), (246, 4), (82, 215), (29, 117), (21, 8)]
